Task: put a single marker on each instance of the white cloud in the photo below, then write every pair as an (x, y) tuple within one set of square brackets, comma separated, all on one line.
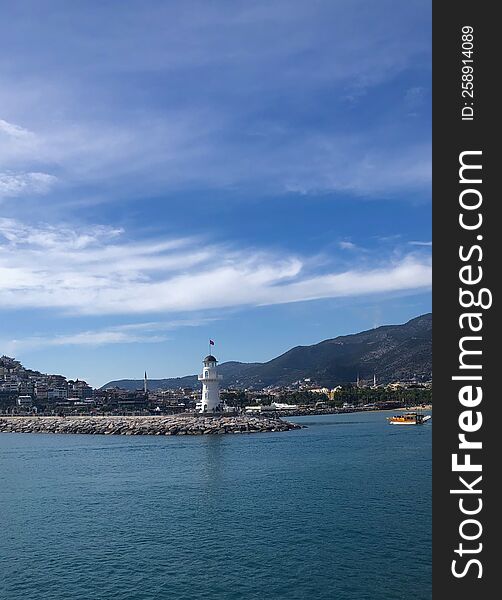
[(99, 272), (18, 184), (420, 243), (14, 131), (346, 245)]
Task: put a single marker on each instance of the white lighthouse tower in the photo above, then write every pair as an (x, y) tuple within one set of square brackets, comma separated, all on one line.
[(210, 385)]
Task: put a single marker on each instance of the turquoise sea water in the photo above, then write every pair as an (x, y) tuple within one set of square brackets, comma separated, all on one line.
[(340, 510)]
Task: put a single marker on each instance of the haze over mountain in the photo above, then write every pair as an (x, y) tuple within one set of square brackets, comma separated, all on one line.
[(391, 352)]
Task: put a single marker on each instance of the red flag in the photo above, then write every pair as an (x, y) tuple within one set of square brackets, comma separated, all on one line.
[(211, 343)]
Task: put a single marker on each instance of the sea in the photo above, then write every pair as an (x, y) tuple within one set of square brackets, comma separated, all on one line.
[(339, 510)]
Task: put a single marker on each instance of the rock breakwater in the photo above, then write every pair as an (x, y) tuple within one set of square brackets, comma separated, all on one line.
[(145, 425)]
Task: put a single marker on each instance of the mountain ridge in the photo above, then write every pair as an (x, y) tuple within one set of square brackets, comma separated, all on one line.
[(391, 352)]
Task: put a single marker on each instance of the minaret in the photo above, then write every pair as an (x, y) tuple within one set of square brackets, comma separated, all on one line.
[(374, 379), (210, 385), (145, 384)]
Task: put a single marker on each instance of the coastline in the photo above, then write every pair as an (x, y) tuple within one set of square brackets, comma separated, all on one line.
[(344, 411)]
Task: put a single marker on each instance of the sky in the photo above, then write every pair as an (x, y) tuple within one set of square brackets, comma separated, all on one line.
[(257, 173)]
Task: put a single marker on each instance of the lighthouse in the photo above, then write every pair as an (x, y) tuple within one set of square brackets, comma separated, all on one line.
[(210, 385)]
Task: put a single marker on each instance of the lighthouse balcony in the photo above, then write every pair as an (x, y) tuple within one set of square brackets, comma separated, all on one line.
[(210, 377)]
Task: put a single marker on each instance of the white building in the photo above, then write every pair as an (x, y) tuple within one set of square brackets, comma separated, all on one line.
[(210, 385), (281, 406), (24, 401)]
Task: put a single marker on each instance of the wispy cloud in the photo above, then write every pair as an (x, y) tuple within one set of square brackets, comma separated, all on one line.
[(214, 120), (347, 245), (149, 332), (190, 148), (420, 243), (18, 147), (100, 272), (14, 131), (19, 184)]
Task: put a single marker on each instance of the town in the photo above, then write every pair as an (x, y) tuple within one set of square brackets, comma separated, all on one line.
[(25, 391)]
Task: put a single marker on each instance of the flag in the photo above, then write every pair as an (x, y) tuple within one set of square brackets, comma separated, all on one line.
[(211, 343)]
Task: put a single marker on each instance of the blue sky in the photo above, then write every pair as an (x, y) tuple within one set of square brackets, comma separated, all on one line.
[(254, 172)]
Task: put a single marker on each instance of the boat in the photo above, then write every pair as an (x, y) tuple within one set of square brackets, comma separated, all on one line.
[(411, 418)]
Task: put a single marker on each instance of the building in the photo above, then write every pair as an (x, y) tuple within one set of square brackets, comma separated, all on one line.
[(57, 393), (79, 389), (323, 390), (25, 401), (282, 406), (10, 386), (210, 400)]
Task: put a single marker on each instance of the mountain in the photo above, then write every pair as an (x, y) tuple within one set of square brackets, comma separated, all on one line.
[(391, 352)]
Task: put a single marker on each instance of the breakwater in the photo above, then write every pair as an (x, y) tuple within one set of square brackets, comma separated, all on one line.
[(145, 425)]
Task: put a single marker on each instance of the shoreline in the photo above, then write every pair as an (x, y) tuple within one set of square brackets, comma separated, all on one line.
[(144, 425), (344, 411)]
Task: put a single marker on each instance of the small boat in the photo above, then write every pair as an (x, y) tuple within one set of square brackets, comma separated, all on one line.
[(412, 418)]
